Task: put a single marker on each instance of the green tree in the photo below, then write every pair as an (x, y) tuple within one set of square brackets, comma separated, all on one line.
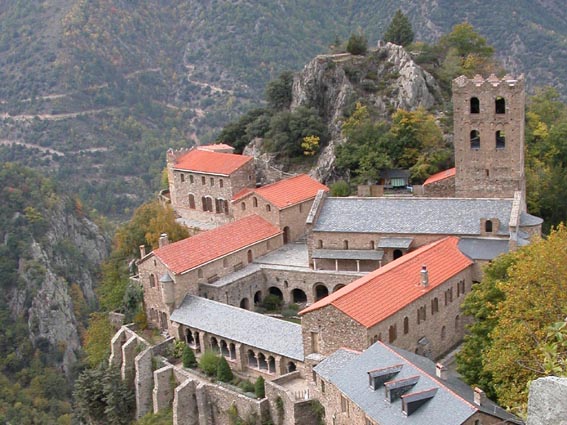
[(224, 373), (188, 357), (357, 44), (209, 362), (340, 188), (259, 388), (400, 30), (278, 92), (97, 339)]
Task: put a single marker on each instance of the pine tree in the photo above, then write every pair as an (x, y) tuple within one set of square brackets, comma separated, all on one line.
[(188, 357), (224, 374), (259, 389), (400, 31), (357, 44)]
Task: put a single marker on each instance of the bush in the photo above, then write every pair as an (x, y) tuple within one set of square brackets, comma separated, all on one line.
[(188, 357), (340, 188), (357, 44), (271, 302), (247, 386), (224, 374), (209, 363), (259, 389)]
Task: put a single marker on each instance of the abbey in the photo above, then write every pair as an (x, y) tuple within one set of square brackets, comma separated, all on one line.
[(380, 281)]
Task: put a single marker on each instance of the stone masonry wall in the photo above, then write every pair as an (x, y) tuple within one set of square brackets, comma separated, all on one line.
[(440, 189)]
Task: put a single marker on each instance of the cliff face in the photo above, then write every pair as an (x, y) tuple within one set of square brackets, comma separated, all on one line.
[(386, 78), (52, 254)]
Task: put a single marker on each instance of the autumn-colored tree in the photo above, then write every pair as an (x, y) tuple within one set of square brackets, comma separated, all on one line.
[(310, 145)]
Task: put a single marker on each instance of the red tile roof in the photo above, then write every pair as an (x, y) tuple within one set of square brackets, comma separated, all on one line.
[(204, 161), (182, 256), (442, 175), (378, 295), (288, 192)]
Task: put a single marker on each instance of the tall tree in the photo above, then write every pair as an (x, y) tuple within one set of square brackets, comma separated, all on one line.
[(400, 30)]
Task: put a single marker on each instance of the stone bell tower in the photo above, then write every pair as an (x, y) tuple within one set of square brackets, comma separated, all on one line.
[(489, 136)]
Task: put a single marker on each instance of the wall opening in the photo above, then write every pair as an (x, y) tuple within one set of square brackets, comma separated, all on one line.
[(500, 105), (321, 291), (298, 296), (397, 253), (475, 105), (245, 304), (500, 139), (475, 139)]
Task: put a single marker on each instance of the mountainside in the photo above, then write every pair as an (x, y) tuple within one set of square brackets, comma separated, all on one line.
[(96, 91), (49, 256)]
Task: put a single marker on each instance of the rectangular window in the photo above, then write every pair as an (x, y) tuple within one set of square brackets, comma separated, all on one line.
[(203, 180), (191, 178), (314, 342), (212, 181), (344, 404)]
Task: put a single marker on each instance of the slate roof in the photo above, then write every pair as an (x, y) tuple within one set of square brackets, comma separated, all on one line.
[(287, 192), (483, 249), (397, 283), (442, 175), (347, 254), (451, 404), (182, 256), (253, 329), (210, 162), (401, 243), (530, 220), (446, 216)]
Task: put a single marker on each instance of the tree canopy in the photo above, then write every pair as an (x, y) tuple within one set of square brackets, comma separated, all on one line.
[(357, 44), (400, 30)]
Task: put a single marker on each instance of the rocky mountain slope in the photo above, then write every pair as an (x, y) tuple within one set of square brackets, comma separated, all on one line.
[(96, 91)]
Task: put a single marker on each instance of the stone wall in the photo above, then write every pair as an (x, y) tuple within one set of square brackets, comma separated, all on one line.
[(444, 188), (284, 408)]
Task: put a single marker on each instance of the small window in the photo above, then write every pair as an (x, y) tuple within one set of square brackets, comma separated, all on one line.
[(203, 180), (372, 245), (322, 386), (500, 140), (221, 183), (243, 206), (434, 306), (300, 208), (345, 244), (406, 325), (212, 180), (200, 273), (182, 177), (475, 105), (475, 140), (457, 322), (344, 404), (488, 226), (191, 201), (392, 334), (443, 331), (191, 180), (268, 207), (500, 105), (152, 281), (320, 244), (255, 202)]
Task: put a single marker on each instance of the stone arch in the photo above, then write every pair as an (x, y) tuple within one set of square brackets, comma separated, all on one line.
[(257, 297), (500, 139), (224, 348), (245, 304), (286, 235), (488, 226), (320, 291), (262, 363), (271, 364), (499, 105), (189, 337), (249, 256), (397, 253), (274, 290), (252, 360), (337, 287), (291, 367), (298, 296), (215, 345), (474, 105), (475, 139)]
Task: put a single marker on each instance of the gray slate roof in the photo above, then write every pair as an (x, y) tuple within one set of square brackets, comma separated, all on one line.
[(401, 243), (483, 249), (447, 216), (253, 329), (530, 220), (348, 254), (348, 372)]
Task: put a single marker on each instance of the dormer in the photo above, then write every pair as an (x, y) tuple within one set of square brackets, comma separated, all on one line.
[(489, 226), (395, 389), (413, 401), (377, 377)]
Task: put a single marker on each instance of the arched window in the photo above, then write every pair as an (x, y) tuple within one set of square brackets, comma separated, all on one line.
[(203, 180), (443, 331), (434, 305), (372, 245), (182, 177), (250, 256), (255, 202), (243, 206), (500, 105), (406, 325), (500, 139), (268, 208), (152, 281), (221, 182), (475, 140), (204, 203), (191, 201), (212, 181), (392, 334), (191, 180), (345, 244), (488, 226), (475, 105), (397, 253)]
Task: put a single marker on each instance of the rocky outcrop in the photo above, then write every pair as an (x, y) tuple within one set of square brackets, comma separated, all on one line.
[(67, 255), (547, 403), (387, 78)]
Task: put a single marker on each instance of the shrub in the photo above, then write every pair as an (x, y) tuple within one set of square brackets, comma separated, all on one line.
[(357, 44), (259, 389), (247, 386), (188, 357), (271, 302), (224, 374), (340, 188), (209, 363)]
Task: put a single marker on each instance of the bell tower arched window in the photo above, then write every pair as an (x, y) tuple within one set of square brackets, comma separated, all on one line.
[(475, 105), (500, 105), (500, 139), (475, 140)]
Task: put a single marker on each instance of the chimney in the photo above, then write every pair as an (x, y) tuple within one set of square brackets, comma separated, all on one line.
[(441, 371), (424, 276), (142, 251), (163, 240), (479, 397)]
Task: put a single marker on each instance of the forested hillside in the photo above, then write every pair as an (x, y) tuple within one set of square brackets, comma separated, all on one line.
[(96, 91)]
